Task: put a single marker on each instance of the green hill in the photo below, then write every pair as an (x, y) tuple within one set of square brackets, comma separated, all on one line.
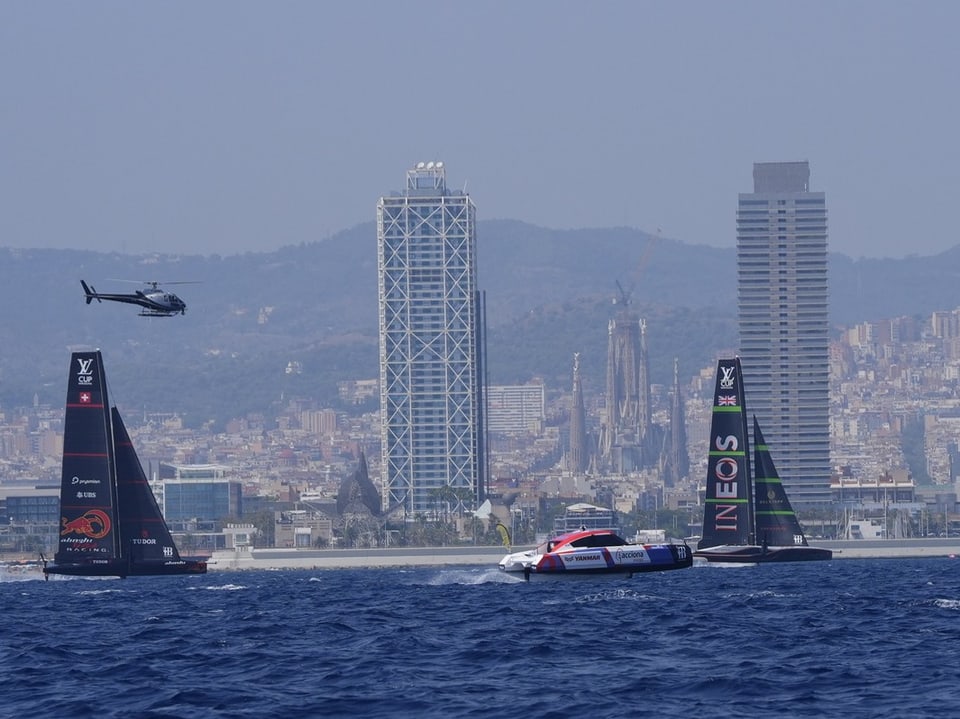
[(549, 294)]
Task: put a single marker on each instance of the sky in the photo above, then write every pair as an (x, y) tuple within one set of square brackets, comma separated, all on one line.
[(230, 126)]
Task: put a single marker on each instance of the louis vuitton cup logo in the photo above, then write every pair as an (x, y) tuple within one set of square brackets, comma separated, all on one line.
[(85, 373), (727, 380)]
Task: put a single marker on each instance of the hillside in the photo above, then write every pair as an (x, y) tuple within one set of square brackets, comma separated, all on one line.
[(549, 294)]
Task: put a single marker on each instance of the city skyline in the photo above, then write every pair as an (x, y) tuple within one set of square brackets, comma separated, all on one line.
[(879, 374), (253, 127)]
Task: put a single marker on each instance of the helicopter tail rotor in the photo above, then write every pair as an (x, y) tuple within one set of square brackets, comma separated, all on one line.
[(90, 292)]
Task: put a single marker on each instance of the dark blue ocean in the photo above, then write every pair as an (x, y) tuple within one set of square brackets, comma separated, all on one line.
[(852, 638)]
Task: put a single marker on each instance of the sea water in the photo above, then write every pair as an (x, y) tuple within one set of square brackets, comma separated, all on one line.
[(852, 638)]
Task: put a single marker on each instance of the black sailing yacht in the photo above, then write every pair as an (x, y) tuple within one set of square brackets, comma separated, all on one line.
[(747, 516), (110, 522)]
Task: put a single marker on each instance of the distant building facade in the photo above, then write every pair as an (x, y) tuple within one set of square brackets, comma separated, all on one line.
[(301, 529), (205, 492), (783, 322), (431, 343), (516, 408), (319, 421), (585, 516), (38, 507), (30, 518)]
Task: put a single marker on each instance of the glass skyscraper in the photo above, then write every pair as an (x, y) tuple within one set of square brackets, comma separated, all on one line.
[(784, 328), (431, 346)]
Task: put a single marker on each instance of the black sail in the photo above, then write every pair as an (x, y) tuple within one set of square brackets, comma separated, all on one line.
[(741, 526), (728, 510), (110, 523), (88, 519), (777, 524), (144, 535)]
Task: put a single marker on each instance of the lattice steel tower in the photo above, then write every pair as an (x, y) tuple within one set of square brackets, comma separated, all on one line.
[(431, 345), (784, 328)]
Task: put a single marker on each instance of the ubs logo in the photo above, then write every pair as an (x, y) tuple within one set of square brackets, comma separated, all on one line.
[(85, 373)]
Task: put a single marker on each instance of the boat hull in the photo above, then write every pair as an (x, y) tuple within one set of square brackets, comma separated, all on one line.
[(622, 561), (119, 568), (758, 554)]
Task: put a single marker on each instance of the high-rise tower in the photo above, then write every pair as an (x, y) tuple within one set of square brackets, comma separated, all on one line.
[(784, 329), (579, 458), (431, 344), (674, 460)]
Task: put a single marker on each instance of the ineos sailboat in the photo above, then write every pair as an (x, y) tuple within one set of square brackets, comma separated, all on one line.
[(110, 522), (747, 515)]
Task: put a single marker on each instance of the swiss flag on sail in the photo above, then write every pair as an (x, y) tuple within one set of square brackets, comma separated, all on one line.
[(85, 398)]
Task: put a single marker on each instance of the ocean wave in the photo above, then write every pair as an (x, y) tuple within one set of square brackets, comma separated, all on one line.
[(858, 638), (953, 604)]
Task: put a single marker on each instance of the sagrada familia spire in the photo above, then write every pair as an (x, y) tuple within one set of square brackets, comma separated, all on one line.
[(628, 439)]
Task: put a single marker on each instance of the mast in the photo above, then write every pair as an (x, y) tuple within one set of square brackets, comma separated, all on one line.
[(751, 496), (118, 548)]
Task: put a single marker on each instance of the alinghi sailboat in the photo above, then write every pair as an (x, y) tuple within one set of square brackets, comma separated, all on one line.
[(747, 516), (110, 522)]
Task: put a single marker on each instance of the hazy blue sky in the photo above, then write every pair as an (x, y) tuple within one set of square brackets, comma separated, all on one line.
[(223, 127)]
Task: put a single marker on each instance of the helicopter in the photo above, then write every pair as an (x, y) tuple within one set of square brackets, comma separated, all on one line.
[(155, 301)]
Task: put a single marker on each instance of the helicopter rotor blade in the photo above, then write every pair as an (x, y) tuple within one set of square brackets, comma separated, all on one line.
[(156, 283)]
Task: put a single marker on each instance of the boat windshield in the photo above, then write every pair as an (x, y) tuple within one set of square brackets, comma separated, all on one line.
[(599, 540), (590, 540)]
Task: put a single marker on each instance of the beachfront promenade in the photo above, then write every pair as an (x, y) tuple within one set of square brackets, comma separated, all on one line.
[(230, 560), (353, 558)]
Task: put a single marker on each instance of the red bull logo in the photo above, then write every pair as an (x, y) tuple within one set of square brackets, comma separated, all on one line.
[(94, 523)]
